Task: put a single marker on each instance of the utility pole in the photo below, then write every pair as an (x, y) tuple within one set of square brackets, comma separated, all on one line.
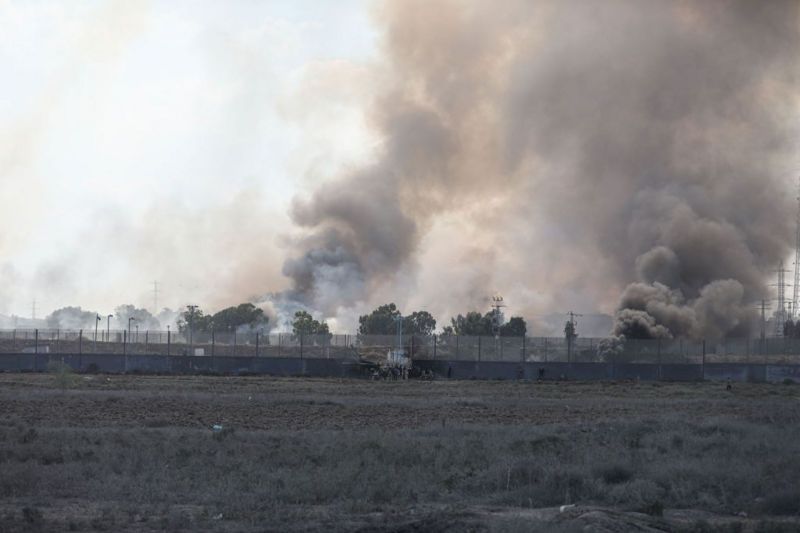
[(796, 287), (780, 312), (497, 313), (191, 309), (497, 317)]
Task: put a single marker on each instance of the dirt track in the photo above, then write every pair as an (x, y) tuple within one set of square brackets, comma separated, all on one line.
[(277, 404)]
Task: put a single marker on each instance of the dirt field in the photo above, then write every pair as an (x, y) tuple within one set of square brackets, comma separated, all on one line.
[(138, 453)]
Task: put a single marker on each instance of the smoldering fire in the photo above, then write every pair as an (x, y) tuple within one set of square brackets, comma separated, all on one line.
[(651, 134)]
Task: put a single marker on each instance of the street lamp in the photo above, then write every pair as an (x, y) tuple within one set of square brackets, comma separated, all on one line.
[(96, 322), (129, 327)]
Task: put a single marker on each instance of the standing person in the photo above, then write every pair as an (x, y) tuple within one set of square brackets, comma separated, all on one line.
[(449, 371)]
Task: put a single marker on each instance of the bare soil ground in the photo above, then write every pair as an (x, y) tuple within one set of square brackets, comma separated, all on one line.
[(138, 453)]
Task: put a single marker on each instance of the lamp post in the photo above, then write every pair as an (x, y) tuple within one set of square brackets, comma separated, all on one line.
[(96, 322), (129, 327)]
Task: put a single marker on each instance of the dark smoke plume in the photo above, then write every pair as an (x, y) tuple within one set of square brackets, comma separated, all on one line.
[(649, 138)]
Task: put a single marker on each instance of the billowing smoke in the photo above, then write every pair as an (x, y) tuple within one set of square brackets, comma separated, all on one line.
[(642, 140), (71, 318)]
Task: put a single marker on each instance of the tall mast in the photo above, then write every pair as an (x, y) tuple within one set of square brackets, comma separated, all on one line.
[(796, 287)]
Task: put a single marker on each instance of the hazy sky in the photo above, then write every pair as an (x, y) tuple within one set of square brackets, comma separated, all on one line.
[(128, 123), (430, 153)]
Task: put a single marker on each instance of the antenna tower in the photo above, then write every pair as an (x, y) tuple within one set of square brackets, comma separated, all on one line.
[(780, 312), (497, 305), (796, 287)]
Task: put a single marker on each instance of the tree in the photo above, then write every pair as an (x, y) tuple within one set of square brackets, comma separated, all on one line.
[(473, 323), (71, 318), (244, 315), (304, 324), (569, 331), (142, 317), (515, 327), (379, 322), (789, 329), (419, 323), (195, 318)]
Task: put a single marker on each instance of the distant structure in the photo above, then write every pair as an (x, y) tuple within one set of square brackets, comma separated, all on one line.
[(796, 287), (497, 306), (780, 313)]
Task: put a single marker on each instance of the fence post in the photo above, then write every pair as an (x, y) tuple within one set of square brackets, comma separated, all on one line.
[(80, 342), (458, 353), (36, 341), (213, 342), (479, 348), (279, 345), (301, 346), (256, 344), (434, 347), (545, 349), (146, 339), (169, 341), (411, 348), (234, 343), (124, 342), (523, 348), (659, 358)]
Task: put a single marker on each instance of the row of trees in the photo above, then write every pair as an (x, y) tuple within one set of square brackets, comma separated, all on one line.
[(78, 318), (244, 316), (248, 317), (383, 321)]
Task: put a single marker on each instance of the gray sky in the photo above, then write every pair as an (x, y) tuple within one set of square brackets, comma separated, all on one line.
[(129, 123), (426, 153)]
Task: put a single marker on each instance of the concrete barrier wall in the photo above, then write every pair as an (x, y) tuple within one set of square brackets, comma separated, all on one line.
[(292, 366)]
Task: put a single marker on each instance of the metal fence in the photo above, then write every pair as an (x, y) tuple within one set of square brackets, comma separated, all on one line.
[(376, 347)]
